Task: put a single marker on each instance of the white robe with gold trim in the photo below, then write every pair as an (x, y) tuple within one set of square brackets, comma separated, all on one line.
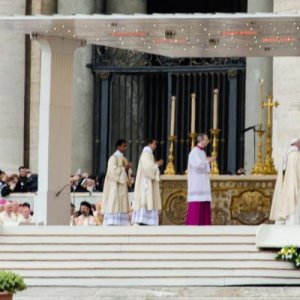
[(147, 200), (115, 204), (286, 199)]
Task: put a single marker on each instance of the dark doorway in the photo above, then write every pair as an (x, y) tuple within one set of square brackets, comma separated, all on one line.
[(194, 6)]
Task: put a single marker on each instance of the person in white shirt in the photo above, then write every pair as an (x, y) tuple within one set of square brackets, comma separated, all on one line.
[(199, 192)]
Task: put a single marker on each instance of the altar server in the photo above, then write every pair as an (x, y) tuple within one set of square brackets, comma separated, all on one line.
[(199, 192)]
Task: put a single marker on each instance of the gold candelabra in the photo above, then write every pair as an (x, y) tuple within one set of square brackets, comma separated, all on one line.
[(170, 168), (258, 168), (214, 164), (269, 167)]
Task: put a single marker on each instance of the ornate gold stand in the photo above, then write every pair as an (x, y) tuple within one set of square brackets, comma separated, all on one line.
[(170, 169), (269, 168), (258, 168), (214, 164)]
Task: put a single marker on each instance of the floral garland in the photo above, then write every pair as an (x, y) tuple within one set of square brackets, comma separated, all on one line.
[(291, 254)]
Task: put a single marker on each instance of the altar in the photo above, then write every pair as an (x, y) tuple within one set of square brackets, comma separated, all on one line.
[(237, 200)]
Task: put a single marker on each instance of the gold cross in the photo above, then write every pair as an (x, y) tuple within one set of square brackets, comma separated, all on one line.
[(270, 104)]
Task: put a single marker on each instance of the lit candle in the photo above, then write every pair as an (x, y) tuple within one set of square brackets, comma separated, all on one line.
[(261, 99), (193, 113), (215, 116), (173, 98)]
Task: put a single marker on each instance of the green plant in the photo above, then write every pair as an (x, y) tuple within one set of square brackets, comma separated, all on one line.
[(11, 282), (291, 254)]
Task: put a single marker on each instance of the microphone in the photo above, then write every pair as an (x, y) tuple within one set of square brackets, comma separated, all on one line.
[(58, 193), (248, 128)]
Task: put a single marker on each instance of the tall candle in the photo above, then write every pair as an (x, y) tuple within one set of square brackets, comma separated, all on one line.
[(193, 113), (261, 99), (215, 115), (173, 101)]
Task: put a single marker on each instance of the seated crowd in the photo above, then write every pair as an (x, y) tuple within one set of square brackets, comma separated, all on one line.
[(12, 213), (25, 182)]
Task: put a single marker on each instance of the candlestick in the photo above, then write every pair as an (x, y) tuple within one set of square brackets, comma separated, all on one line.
[(261, 100), (170, 168), (173, 99), (215, 141), (193, 112), (269, 167), (215, 115), (258, 167)]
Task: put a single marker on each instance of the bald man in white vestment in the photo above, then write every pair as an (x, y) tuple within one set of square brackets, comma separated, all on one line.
[(286, 199)]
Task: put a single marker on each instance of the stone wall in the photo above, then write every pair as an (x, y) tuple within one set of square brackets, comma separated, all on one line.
[(286, 90), (12, 75)]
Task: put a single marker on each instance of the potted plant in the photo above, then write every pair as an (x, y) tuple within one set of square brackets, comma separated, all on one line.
[(10, 283)]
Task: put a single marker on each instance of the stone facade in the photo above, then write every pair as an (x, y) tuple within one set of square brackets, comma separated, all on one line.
[(12, 76), (286, 90)]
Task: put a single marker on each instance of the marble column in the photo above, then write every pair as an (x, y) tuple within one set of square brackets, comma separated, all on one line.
[(256, 68), (38, 7), (286, 90), (82, 114), (12, 77), (52, 204)]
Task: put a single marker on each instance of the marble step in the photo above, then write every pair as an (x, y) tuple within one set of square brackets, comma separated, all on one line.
[(128, 231), (32, 255), (137, 248), (159, 273), (69, 239), (141, 264)]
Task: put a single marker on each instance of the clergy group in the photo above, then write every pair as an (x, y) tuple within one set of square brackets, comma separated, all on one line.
[(145, 208)]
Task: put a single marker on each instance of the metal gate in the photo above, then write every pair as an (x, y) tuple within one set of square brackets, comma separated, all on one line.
[(132, 101)]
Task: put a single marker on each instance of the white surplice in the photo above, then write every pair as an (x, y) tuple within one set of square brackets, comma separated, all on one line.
[(198, 176)]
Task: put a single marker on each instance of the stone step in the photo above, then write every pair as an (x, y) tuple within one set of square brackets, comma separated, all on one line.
[(158, 273), (32, 255), (156, 282), (141, 264), (129, 230), (133, 256), (69, 239), (138, 248)]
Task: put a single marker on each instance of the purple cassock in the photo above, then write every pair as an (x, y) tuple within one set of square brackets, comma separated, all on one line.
[(199, 192)]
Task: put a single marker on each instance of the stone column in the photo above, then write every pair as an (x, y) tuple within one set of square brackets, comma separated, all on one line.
[(12, 76), (52, 203), (286, 90), (82, 114), (39, 7), (256, 68)]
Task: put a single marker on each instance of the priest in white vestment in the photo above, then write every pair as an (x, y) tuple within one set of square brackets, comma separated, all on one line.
[(115, 204), (286, 199), (86, 217), (147, 201), (7, 217), (199, 192)]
